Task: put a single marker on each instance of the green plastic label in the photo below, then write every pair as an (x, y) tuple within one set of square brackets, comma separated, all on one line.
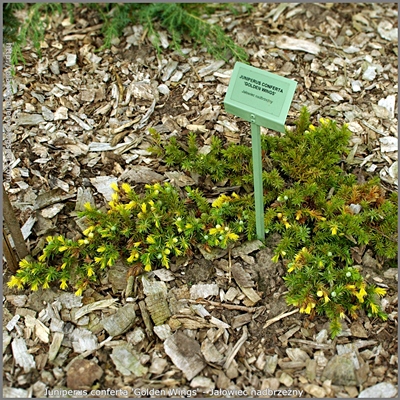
[(259, 97)]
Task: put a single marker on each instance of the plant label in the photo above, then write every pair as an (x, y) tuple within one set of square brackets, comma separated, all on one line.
[(259, 96)]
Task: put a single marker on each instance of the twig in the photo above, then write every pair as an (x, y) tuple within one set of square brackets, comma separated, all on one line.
[(87, 353), (229, 266), (13, 226), (236, 348), (279, 317), (12, 262), (228, 306), (195, 71)]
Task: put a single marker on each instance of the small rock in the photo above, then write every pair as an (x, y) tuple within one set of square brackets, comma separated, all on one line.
[(389, 104), (289, 43), (47, 114), (201, 382), (270, 383), (261, 361), (247, 248), (311, 369), (70, 300), (103, 185), (352, 391), (351, 49), (358, 330), (14, 393), (210, 352), (163, 89), (369, 261), (347, 369), (21, 355), (370, 73), (117, 276), (87, 95), (19, 300), (247, 259), (286, 379), (356, 86), (379, 391), (135, 336), (231, 294), (61, 113), (355, 127), (30, 119), (52, 211), (271, 363), (391, 273), (169, 69), (355, 208), (315, 390), (387, 31), (54, 68), (209, 69), (71, 60), (336, 97), (47, 377), (126, 361), (158, 365), (389, 143), (212, 254), (82, 374), (203, 291), (83, 340), (185, 353), (297, 354), (188, 95), (322, 336), (177, 76), (140, 174), (380, 112), (163, 331), (232, 371), (223, 381), (121, 321)]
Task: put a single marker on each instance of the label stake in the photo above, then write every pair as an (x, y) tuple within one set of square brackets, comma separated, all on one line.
[(263, 99), (257, 178)]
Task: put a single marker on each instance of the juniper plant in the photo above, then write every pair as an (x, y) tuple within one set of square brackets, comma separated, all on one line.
[(180, 20), (319, 210)]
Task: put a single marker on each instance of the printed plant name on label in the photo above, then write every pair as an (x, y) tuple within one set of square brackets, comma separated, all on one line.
[(259, 96)]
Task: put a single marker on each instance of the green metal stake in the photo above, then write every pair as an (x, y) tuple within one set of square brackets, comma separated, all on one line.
[(257, 176)]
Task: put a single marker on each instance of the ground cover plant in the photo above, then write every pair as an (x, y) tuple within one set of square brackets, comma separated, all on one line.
[(181, 20), (144, 231), (318, 209)]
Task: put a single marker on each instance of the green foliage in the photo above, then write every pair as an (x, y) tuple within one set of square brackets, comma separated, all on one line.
[(319, 211), (10, 22), (32, 28), (179, 19), (218, 163), (142, 231)]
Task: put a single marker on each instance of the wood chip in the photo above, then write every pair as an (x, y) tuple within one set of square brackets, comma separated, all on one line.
[(288, 43), (185, 353)]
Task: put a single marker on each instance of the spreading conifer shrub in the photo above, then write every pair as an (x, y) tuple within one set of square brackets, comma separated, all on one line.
[(318, 209), (142, 231)]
